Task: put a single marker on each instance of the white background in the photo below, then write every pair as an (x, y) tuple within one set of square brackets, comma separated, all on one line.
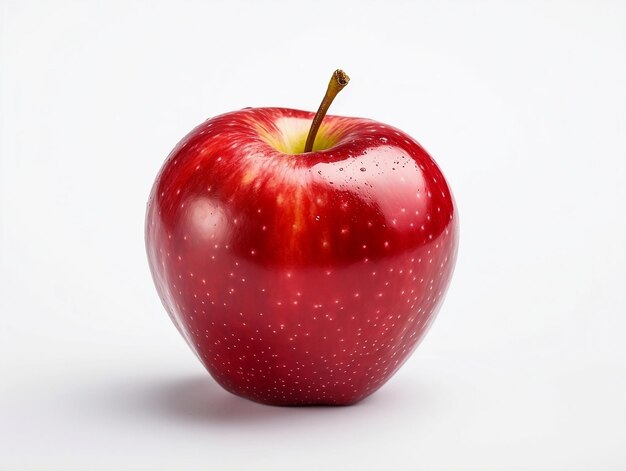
[(523, 106)]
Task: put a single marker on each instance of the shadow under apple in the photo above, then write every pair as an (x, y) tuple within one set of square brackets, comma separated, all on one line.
[(198, 399)]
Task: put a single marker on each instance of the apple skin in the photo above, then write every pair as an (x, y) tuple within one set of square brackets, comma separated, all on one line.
[(300, 279)]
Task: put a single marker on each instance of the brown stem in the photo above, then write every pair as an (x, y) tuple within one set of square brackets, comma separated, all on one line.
[(339, 80)]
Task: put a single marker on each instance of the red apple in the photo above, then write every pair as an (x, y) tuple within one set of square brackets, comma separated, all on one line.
[(300, 278)]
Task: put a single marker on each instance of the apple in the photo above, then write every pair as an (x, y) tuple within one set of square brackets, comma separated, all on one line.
[(301, 277)]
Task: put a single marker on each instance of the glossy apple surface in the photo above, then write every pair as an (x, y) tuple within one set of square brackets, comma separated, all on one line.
[(300, 278)]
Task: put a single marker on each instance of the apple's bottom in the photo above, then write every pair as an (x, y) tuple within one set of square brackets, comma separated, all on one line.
[(303, 403), (328, 400)]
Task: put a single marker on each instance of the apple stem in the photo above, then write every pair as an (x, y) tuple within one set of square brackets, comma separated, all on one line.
[(339, 80)]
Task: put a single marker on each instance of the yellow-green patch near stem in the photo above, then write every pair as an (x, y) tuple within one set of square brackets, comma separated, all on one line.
[(294, 143)]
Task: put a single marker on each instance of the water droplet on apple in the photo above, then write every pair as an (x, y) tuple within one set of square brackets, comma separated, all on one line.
[(363, 169)]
